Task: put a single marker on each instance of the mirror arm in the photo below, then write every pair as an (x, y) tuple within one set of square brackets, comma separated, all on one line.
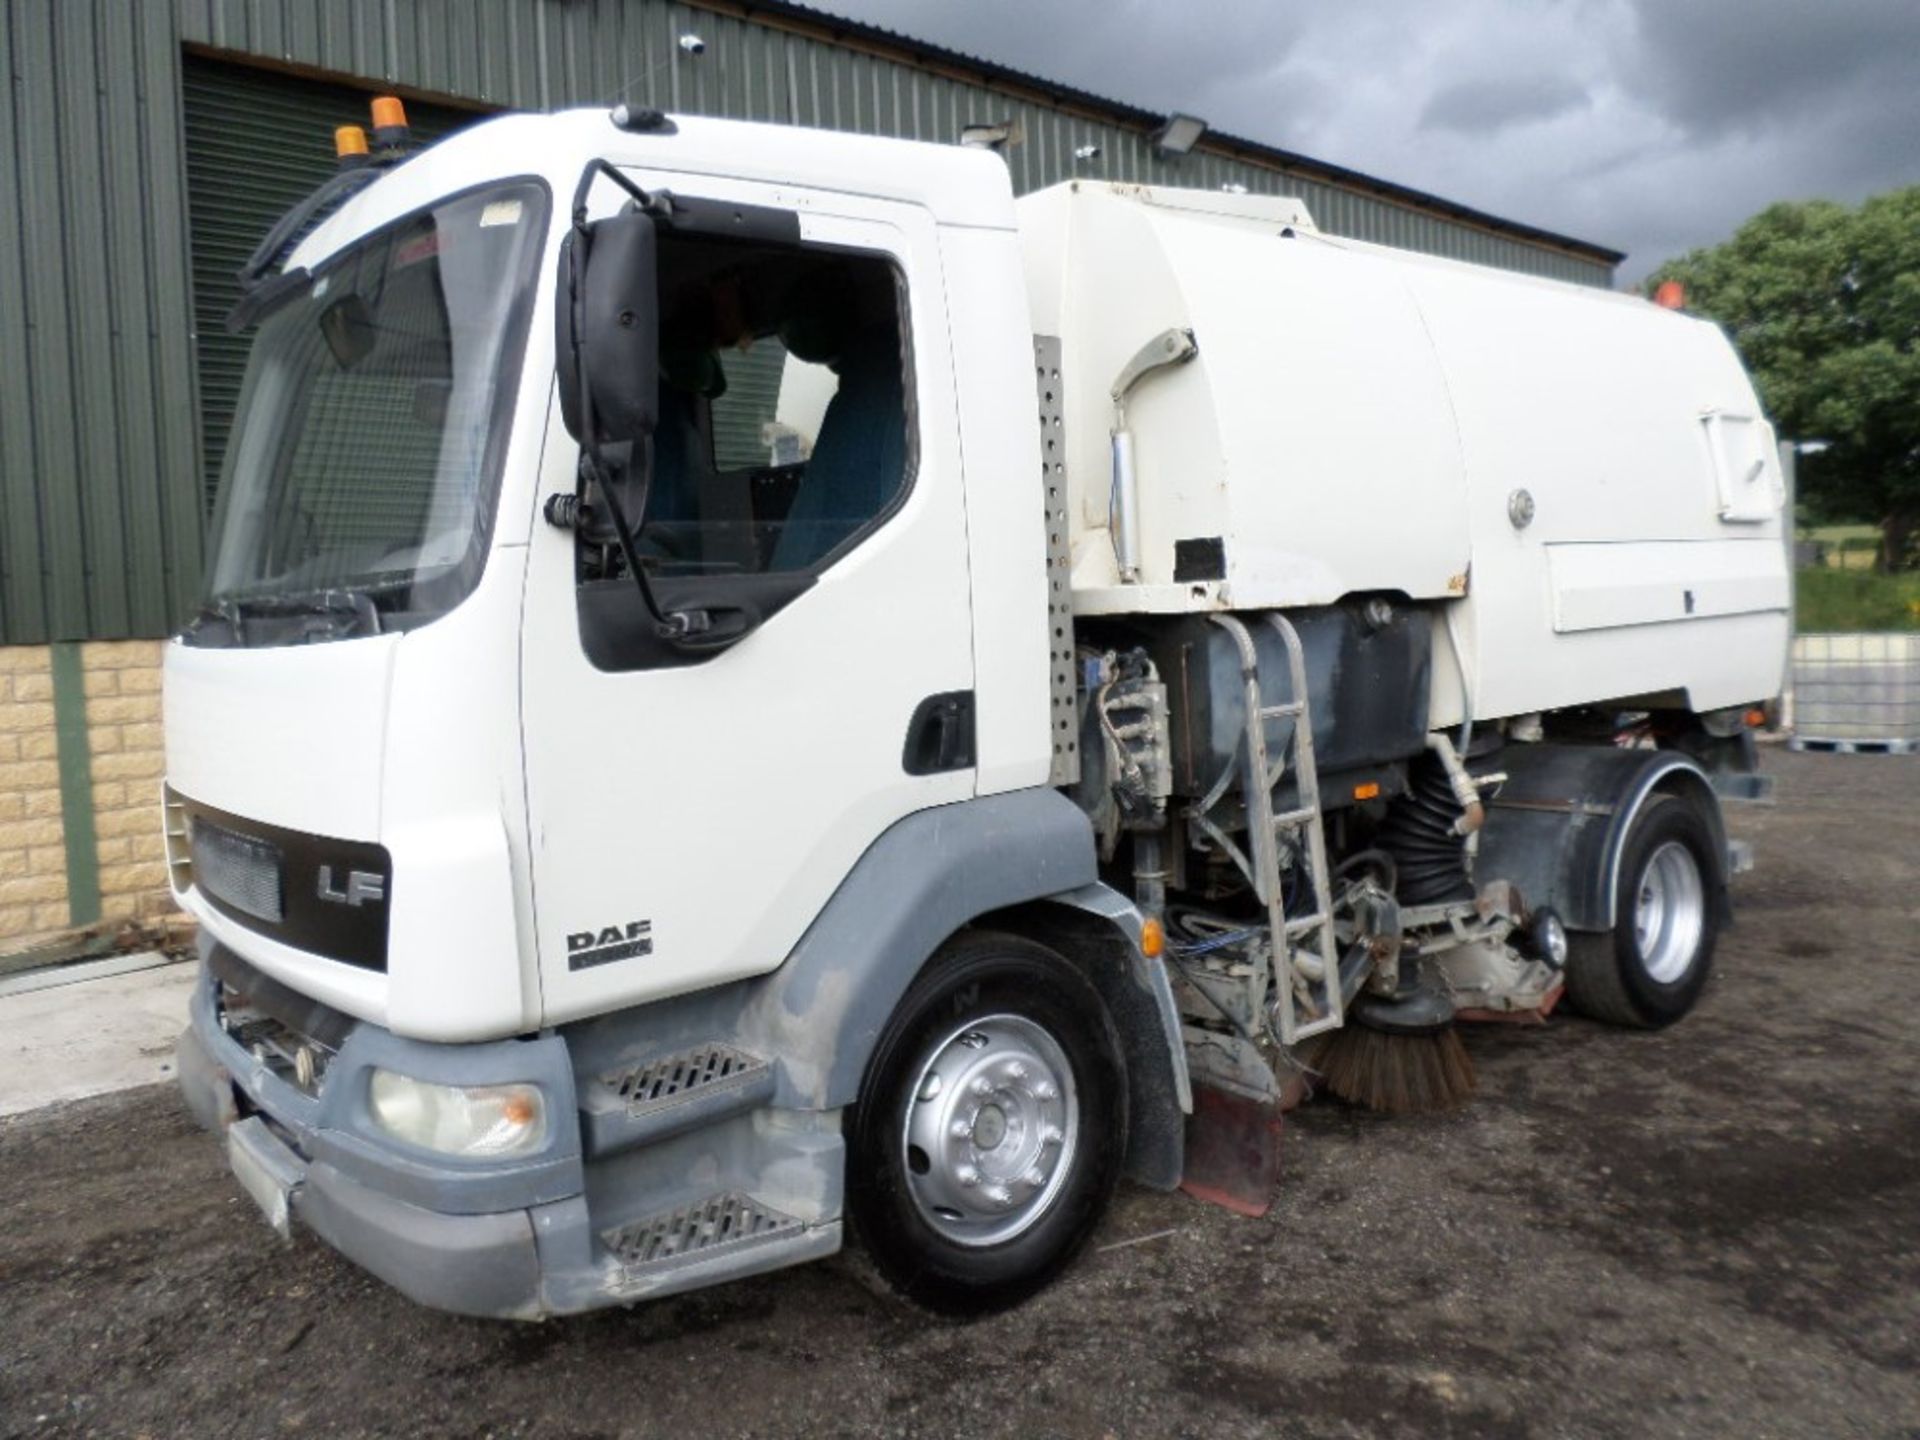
[(595, 470), (683, 625), (596, 167)]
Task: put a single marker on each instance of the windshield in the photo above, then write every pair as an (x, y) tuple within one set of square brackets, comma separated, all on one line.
[(359, 486)]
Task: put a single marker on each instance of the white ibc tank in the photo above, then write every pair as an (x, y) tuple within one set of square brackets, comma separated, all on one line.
[(1359, 419)]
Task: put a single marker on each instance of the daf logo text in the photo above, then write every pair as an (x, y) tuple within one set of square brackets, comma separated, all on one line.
[(586, 948)]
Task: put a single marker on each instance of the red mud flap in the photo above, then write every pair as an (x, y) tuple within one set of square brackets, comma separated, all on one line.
[(1536, 1016), (1233, 1150)]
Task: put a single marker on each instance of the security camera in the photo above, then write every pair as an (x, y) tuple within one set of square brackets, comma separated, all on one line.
[(1086, 152), (693, 44)]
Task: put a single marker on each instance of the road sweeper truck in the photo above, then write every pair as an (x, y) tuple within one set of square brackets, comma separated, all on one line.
[(753, 688)]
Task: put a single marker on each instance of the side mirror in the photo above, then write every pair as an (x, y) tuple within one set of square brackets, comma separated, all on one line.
[(607, 330), (349, 329)]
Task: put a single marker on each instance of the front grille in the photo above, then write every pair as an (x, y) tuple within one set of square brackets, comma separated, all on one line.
[(239, 870), (726, 1221), (299, 1059)]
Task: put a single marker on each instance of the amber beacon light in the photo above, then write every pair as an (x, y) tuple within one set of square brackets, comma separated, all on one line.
[(389, 122), (350, 144)]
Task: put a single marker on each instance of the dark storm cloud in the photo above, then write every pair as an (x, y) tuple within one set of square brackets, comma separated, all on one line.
[(1650, 125), (1714, 66), (1494, 104)]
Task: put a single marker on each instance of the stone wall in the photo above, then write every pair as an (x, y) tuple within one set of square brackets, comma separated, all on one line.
[(122, 679), (118, 791), (33, 856)]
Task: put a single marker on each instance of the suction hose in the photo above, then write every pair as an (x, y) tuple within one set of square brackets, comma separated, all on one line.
[(1426, 831)]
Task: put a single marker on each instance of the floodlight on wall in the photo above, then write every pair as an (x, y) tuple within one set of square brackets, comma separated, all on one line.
[(996, 136), (1177, 135)]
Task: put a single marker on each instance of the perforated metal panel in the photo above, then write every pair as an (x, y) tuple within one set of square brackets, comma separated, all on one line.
[(1064, 711), (728, 1221), (660, 1083)]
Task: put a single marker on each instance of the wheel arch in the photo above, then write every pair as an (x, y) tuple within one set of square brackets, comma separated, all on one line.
[(1097, 929), (1560, 824), (928, 877), (1688, 784)]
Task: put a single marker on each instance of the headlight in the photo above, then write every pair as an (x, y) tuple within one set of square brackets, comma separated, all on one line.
[(476, 1120)]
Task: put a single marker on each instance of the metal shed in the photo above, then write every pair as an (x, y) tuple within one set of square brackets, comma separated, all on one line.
[(144, 147)]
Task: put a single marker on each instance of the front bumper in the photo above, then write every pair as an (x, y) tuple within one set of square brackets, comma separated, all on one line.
[(516, 1240)]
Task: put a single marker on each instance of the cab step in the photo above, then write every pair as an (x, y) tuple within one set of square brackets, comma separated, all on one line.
[(706, 1228), (663, 1095)]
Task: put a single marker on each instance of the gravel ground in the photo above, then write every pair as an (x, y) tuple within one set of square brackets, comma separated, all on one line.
[(1710, 1231)]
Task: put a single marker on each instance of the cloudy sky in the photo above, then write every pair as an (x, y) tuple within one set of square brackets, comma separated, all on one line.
[(1652, 126)]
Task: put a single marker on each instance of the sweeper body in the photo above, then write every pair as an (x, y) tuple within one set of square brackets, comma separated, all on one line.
[(751, 683)]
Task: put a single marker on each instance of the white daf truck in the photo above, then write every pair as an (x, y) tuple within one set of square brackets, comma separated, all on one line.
[(751, 684)]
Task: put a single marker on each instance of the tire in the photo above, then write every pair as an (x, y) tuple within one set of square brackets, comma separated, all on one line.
[(968, 1221), (1651, 968)]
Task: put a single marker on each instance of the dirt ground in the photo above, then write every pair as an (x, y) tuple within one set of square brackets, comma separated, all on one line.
[(1710, 1231)]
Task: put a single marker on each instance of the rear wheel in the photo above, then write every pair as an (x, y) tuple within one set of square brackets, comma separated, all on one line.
[(1650, 969), (990, 1127)]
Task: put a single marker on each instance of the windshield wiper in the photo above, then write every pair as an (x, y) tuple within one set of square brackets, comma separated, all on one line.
[(324, 610), (226, 612), (261, 292)]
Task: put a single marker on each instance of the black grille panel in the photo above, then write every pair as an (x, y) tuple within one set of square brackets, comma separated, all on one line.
[(241, 871), (316, 893)]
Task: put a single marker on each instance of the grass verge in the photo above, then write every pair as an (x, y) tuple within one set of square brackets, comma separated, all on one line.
[(1828, 598)]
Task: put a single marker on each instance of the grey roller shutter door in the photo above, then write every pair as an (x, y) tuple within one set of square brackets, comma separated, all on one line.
[(750, 403), (257, 141)]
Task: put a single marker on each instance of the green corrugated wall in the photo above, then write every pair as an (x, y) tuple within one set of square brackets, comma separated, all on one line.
[(102, 455), (233, 114)]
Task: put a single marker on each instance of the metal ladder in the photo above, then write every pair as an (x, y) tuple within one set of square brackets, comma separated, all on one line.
[(1306, 969)]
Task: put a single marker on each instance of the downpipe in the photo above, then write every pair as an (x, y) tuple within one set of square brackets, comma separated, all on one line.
[(1168, 348)]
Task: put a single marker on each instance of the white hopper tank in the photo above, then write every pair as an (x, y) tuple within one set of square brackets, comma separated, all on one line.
[(1359, 419)]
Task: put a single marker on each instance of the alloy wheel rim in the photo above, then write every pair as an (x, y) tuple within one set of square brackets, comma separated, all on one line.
[(992, 1126), (1669, 913)]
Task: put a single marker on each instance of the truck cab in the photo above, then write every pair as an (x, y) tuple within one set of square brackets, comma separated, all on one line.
[(439, 782)]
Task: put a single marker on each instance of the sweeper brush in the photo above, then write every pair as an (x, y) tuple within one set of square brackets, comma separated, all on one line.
[(1394, 1072)]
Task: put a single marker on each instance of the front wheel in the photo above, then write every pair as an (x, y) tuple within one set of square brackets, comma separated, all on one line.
[(990, 1127), (1650, 969)]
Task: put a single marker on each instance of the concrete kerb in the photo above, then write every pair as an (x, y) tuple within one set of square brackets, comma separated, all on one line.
[(67, 1035)]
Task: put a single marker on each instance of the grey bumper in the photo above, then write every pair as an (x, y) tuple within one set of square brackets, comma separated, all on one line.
[(484, 1264), (511, 1242)]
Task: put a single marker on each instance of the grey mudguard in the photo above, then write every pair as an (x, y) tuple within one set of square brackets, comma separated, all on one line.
[(822, 1012), (1559, 825), (1022, 862), (818, 1017), (1098, 928)]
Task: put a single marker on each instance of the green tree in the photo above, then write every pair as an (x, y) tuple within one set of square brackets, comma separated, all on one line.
[(1823, 302)]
